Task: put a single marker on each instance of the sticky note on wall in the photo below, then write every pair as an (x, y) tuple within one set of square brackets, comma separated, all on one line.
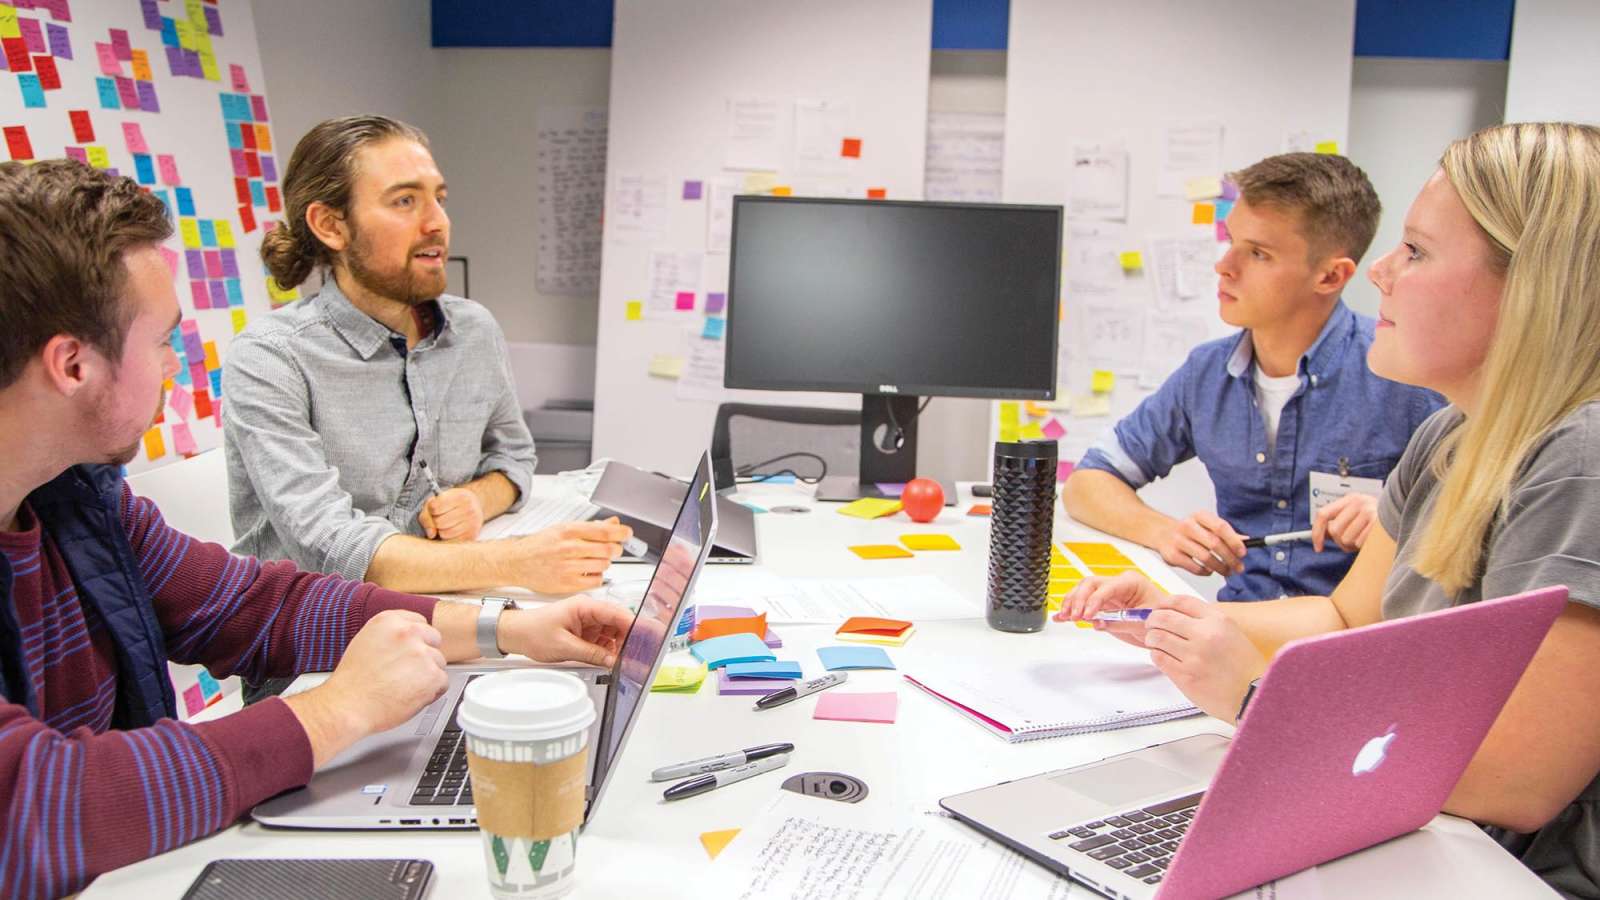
[(1203, 214), (1328, 147), (635, 310), (1102, 381), (1131, 260)]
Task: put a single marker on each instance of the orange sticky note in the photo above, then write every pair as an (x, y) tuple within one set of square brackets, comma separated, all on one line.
[(872, 625), (141, 66), (712, 628), (851, 148), (263, 138), (782, 190), (880, 551), (715, 841), (155, 447), (980, 509), (877, 193), (212, 360), (1204, 214)]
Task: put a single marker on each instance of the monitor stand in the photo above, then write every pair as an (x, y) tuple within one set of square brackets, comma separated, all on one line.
[(884, 459)]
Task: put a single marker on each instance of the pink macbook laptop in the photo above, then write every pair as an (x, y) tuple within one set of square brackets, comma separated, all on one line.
[(1352, 738)]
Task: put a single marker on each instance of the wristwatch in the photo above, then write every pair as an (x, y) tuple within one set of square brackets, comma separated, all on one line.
[(1248, 693), (489, 622)]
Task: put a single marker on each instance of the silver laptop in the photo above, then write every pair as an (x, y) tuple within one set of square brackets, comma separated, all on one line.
[(1352, 738), (415, 776), (646, 502)]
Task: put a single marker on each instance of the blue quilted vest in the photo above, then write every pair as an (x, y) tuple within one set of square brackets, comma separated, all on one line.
[(81, 512)]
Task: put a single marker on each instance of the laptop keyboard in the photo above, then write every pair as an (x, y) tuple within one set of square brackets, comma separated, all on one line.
[(444, 780), (1140, 842)]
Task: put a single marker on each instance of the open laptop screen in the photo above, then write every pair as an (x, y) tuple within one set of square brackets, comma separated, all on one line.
[(684, 554)]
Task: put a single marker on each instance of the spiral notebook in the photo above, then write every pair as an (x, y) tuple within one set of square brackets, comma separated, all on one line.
[(1082, 682)]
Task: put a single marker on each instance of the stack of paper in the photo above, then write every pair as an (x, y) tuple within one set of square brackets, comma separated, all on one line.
[(679, 680)]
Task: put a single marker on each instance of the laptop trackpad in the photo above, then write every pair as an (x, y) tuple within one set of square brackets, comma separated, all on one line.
[(1123, 781)]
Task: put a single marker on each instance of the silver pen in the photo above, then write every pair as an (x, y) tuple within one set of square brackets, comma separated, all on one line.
[(433, 483), (718, 763)]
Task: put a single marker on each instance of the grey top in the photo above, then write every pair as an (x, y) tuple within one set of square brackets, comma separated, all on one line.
[(1550, 535), (326, 422)]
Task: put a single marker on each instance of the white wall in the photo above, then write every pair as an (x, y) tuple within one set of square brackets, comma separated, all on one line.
[(1553, 69)]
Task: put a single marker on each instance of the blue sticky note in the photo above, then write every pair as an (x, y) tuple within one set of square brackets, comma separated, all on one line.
[(108, 93), (169, 32), (235, 294), (731, 648), (783, 668), (713, 329), (208, 228), (182, 377), (166, 201), (216, 384), (185, 201), (1223, 208), (258, 194), (208, 685), (235, 139), (835, 658), (144, 167), (32, 91)]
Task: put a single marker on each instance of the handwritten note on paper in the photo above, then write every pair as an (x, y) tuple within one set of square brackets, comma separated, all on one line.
[(638, 207), (1166, 344), (570, 167), (820, 127), (672, 274), (1097, 184), (719, 216), (1188, 151), (702, 374), (964, 154), (1113, 334), (754, 136)]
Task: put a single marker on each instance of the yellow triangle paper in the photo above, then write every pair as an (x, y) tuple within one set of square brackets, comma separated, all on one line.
[(715, 841)]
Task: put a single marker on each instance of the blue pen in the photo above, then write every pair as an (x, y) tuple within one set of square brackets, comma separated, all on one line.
[(1124, 615)]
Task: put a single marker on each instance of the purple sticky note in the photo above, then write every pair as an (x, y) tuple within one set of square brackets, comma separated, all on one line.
[(685, 300), (32, 35), (175, 62), (60, 41), (269, 168), (1053, 430), (1230, 191), (692, 190), (716, 302), (891, 488), (191, 62), (201, 297), (213, 21), (195, 262), (147, 95), (120, 45), (152, 14), (213, 266), (219, 295), (756, 687), (230, 264), (876, 707)]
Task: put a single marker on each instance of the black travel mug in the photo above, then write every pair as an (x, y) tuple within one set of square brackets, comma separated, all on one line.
[(1019, 534)]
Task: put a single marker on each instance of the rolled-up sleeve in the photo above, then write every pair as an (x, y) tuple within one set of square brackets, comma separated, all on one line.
[(507, 444), (267, 420), (1149, 441)]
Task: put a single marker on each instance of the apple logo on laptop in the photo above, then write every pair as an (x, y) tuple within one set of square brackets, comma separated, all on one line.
[(1373, 753)]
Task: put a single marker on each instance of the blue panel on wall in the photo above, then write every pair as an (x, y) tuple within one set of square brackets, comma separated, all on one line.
[(970, 24), (1443, 29), (522, 23)]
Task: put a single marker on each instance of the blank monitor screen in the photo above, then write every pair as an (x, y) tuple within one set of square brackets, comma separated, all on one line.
[(875, 296)]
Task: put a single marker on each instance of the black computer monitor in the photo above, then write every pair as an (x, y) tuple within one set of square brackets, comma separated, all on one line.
[(892, 300)]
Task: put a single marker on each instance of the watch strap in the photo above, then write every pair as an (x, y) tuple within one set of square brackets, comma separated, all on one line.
[(489, 624)]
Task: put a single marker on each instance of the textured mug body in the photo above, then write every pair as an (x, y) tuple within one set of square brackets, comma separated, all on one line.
[(1021, 517)]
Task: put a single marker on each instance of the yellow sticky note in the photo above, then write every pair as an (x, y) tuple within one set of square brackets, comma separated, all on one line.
[(1032, 431), (185, 34), (1009, 413), (1036, 410), (1206, 187), (679, 679), (715, 841), (664, 366), (1131, 260), (1057, 558), (212, 361), (929, 542), (98, 157), (760, 182), (1091, 406), (1330, 147), (1102, 381), (154, 446), (280, 295), (239, 319), (208, 65), (1204, 214), (1098, 554), (782, 190), (635, 310), (8, 22), (871, 507), (190, 232), (1009, 434), (880, 551), (224, 234)]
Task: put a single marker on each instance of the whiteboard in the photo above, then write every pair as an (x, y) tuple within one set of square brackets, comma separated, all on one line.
[(203, 80), (1553, 67), (1271, 74), (860, 67)]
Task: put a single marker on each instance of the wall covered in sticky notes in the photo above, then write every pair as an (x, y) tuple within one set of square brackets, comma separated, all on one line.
[(1140, 167), (170, 95), (713, 99)]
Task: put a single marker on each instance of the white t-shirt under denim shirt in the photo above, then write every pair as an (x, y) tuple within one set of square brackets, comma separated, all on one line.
[(1272, 395), (1550, 535)]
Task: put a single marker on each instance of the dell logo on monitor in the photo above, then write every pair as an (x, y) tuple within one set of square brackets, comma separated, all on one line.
[(888, 389)]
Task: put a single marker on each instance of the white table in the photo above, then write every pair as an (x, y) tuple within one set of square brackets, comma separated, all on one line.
[(640, 846)]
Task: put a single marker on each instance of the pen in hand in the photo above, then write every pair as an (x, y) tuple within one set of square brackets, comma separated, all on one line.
[(433, 483), (1272, 539)]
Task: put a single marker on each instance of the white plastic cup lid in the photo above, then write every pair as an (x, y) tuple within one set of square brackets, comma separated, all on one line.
[(526, 705)]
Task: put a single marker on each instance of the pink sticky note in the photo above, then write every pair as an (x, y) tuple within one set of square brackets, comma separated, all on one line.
[(169, 169), (120, 45), (857, 707), (1063, 469), (685, 300), (32, 35), (241, 84), (1053, 430), (134, 135), (200, 295), (1222, 231), (108, 59), (182, 439), (194, 699), (171, 258), (79, 154), (181, 401)]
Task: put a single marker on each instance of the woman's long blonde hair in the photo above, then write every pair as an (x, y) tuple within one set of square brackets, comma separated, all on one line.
[(1534, 189)]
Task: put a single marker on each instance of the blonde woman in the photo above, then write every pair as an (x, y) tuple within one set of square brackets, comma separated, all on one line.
[(1493, 300)]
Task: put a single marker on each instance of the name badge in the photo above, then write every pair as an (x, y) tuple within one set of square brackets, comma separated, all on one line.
[(1327, 487)]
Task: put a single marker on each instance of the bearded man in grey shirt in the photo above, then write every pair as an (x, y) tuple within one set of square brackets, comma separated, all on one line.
[(339, 405)]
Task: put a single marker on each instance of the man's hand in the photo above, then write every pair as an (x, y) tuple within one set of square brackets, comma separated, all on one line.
[(392, 668), (454, 515), (577, 629), (563, 559), (1204, 544), (1348, 520)]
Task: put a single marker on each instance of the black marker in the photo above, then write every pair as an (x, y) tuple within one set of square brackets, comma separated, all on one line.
[(720, 762), (717, 779), (1283, 538), (779, 698)]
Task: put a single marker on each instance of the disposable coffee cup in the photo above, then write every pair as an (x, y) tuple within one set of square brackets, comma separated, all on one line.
[(527, 736)]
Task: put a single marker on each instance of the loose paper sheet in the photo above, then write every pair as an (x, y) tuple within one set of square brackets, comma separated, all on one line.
[(1188, 151), (570, 162), (754, 133), (965, 151), (1098, 182)]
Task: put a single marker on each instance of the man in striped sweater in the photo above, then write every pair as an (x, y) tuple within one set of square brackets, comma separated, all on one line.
[(97, 593)]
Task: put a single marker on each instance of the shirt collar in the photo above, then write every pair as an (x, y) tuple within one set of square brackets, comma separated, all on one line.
[(1317, 357), (364, 334)]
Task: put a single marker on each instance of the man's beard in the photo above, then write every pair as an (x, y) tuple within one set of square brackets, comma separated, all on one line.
[(405, 285)]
